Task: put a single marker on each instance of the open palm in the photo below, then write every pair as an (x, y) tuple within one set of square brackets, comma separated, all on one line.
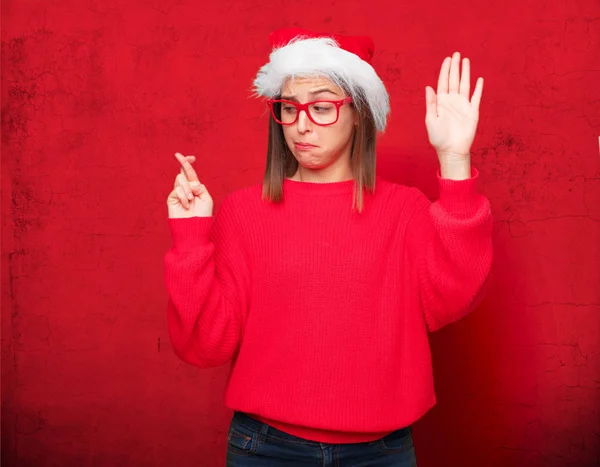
[(452, 117)]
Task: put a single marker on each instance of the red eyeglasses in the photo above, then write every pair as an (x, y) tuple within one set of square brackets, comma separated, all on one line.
[(321, 113)]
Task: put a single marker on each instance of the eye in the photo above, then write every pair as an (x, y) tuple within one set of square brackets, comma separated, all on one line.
[(322, 107)]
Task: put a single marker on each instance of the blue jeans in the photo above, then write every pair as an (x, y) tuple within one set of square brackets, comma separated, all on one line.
[(256, 444)]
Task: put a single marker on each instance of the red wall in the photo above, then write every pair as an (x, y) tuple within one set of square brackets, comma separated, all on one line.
[(98, 95)]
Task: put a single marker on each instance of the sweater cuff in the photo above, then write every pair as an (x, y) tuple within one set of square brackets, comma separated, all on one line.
[(459, 197), (190, 232)]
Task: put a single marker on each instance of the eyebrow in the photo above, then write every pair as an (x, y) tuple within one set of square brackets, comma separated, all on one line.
[(314, 93)]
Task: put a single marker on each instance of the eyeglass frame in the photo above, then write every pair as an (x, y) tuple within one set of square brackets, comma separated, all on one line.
[(301, 107)]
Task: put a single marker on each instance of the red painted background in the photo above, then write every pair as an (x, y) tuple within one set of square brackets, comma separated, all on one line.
[(98, 95)]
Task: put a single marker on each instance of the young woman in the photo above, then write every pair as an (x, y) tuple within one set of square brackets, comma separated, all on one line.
[(321, 283)]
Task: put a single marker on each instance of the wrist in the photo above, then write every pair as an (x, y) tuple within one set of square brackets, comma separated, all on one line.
[(455, 166)]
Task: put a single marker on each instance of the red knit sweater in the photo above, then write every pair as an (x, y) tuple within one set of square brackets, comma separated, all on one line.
[(324, 312)]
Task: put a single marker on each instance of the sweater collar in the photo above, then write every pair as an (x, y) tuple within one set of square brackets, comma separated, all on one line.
[(314, 188)]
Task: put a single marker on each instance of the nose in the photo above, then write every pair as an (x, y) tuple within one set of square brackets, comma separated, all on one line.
[(303, 123)]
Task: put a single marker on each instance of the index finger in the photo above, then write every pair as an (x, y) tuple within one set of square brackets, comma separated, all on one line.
[(186, 168)]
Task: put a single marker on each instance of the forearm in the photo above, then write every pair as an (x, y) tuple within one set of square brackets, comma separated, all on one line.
[(456, 263), (453, 239), (203, 318)]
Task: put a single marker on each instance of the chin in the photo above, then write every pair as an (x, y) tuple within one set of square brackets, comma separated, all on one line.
[(312, 165), (310, 161)]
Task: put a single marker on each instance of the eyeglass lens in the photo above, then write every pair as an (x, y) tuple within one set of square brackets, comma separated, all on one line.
[(321, 112)]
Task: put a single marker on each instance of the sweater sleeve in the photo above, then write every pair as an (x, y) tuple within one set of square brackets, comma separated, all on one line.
[(206, 276), (451, 241)]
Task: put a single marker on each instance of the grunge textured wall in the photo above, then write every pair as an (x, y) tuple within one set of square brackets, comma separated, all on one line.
[(98, 95)]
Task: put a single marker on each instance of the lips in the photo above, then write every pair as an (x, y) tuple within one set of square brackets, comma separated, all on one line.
[(304, 145)]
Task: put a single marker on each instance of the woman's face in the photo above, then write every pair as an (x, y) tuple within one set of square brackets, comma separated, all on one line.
[(314, 146)]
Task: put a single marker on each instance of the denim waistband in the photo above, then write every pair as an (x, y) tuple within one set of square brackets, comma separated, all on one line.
[(260, 427), (256, 426), (250, 423)]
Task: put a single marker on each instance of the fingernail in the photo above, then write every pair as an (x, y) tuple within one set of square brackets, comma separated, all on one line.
[(190, 196)]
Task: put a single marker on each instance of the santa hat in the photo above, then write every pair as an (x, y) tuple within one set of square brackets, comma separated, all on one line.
[(346, 60)]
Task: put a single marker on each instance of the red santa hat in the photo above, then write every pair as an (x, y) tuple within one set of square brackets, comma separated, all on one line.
[(346, 60)]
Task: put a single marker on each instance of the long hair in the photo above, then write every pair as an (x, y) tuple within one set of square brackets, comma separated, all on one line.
[(281, 163)]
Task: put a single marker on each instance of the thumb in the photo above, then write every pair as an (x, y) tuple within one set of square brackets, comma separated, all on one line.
[(430, 102)]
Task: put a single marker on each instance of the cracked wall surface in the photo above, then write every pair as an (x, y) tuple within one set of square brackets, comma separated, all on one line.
[(97, 96)]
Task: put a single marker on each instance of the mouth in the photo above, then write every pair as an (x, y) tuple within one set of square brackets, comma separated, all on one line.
[(304, 145)]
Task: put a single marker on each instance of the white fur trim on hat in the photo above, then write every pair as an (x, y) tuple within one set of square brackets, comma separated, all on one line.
[(323, 56)]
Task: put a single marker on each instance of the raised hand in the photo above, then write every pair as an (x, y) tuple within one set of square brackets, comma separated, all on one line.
[(189, 197), (452, 117)]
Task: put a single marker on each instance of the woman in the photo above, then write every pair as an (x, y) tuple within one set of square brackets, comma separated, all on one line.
[(321, 283)]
